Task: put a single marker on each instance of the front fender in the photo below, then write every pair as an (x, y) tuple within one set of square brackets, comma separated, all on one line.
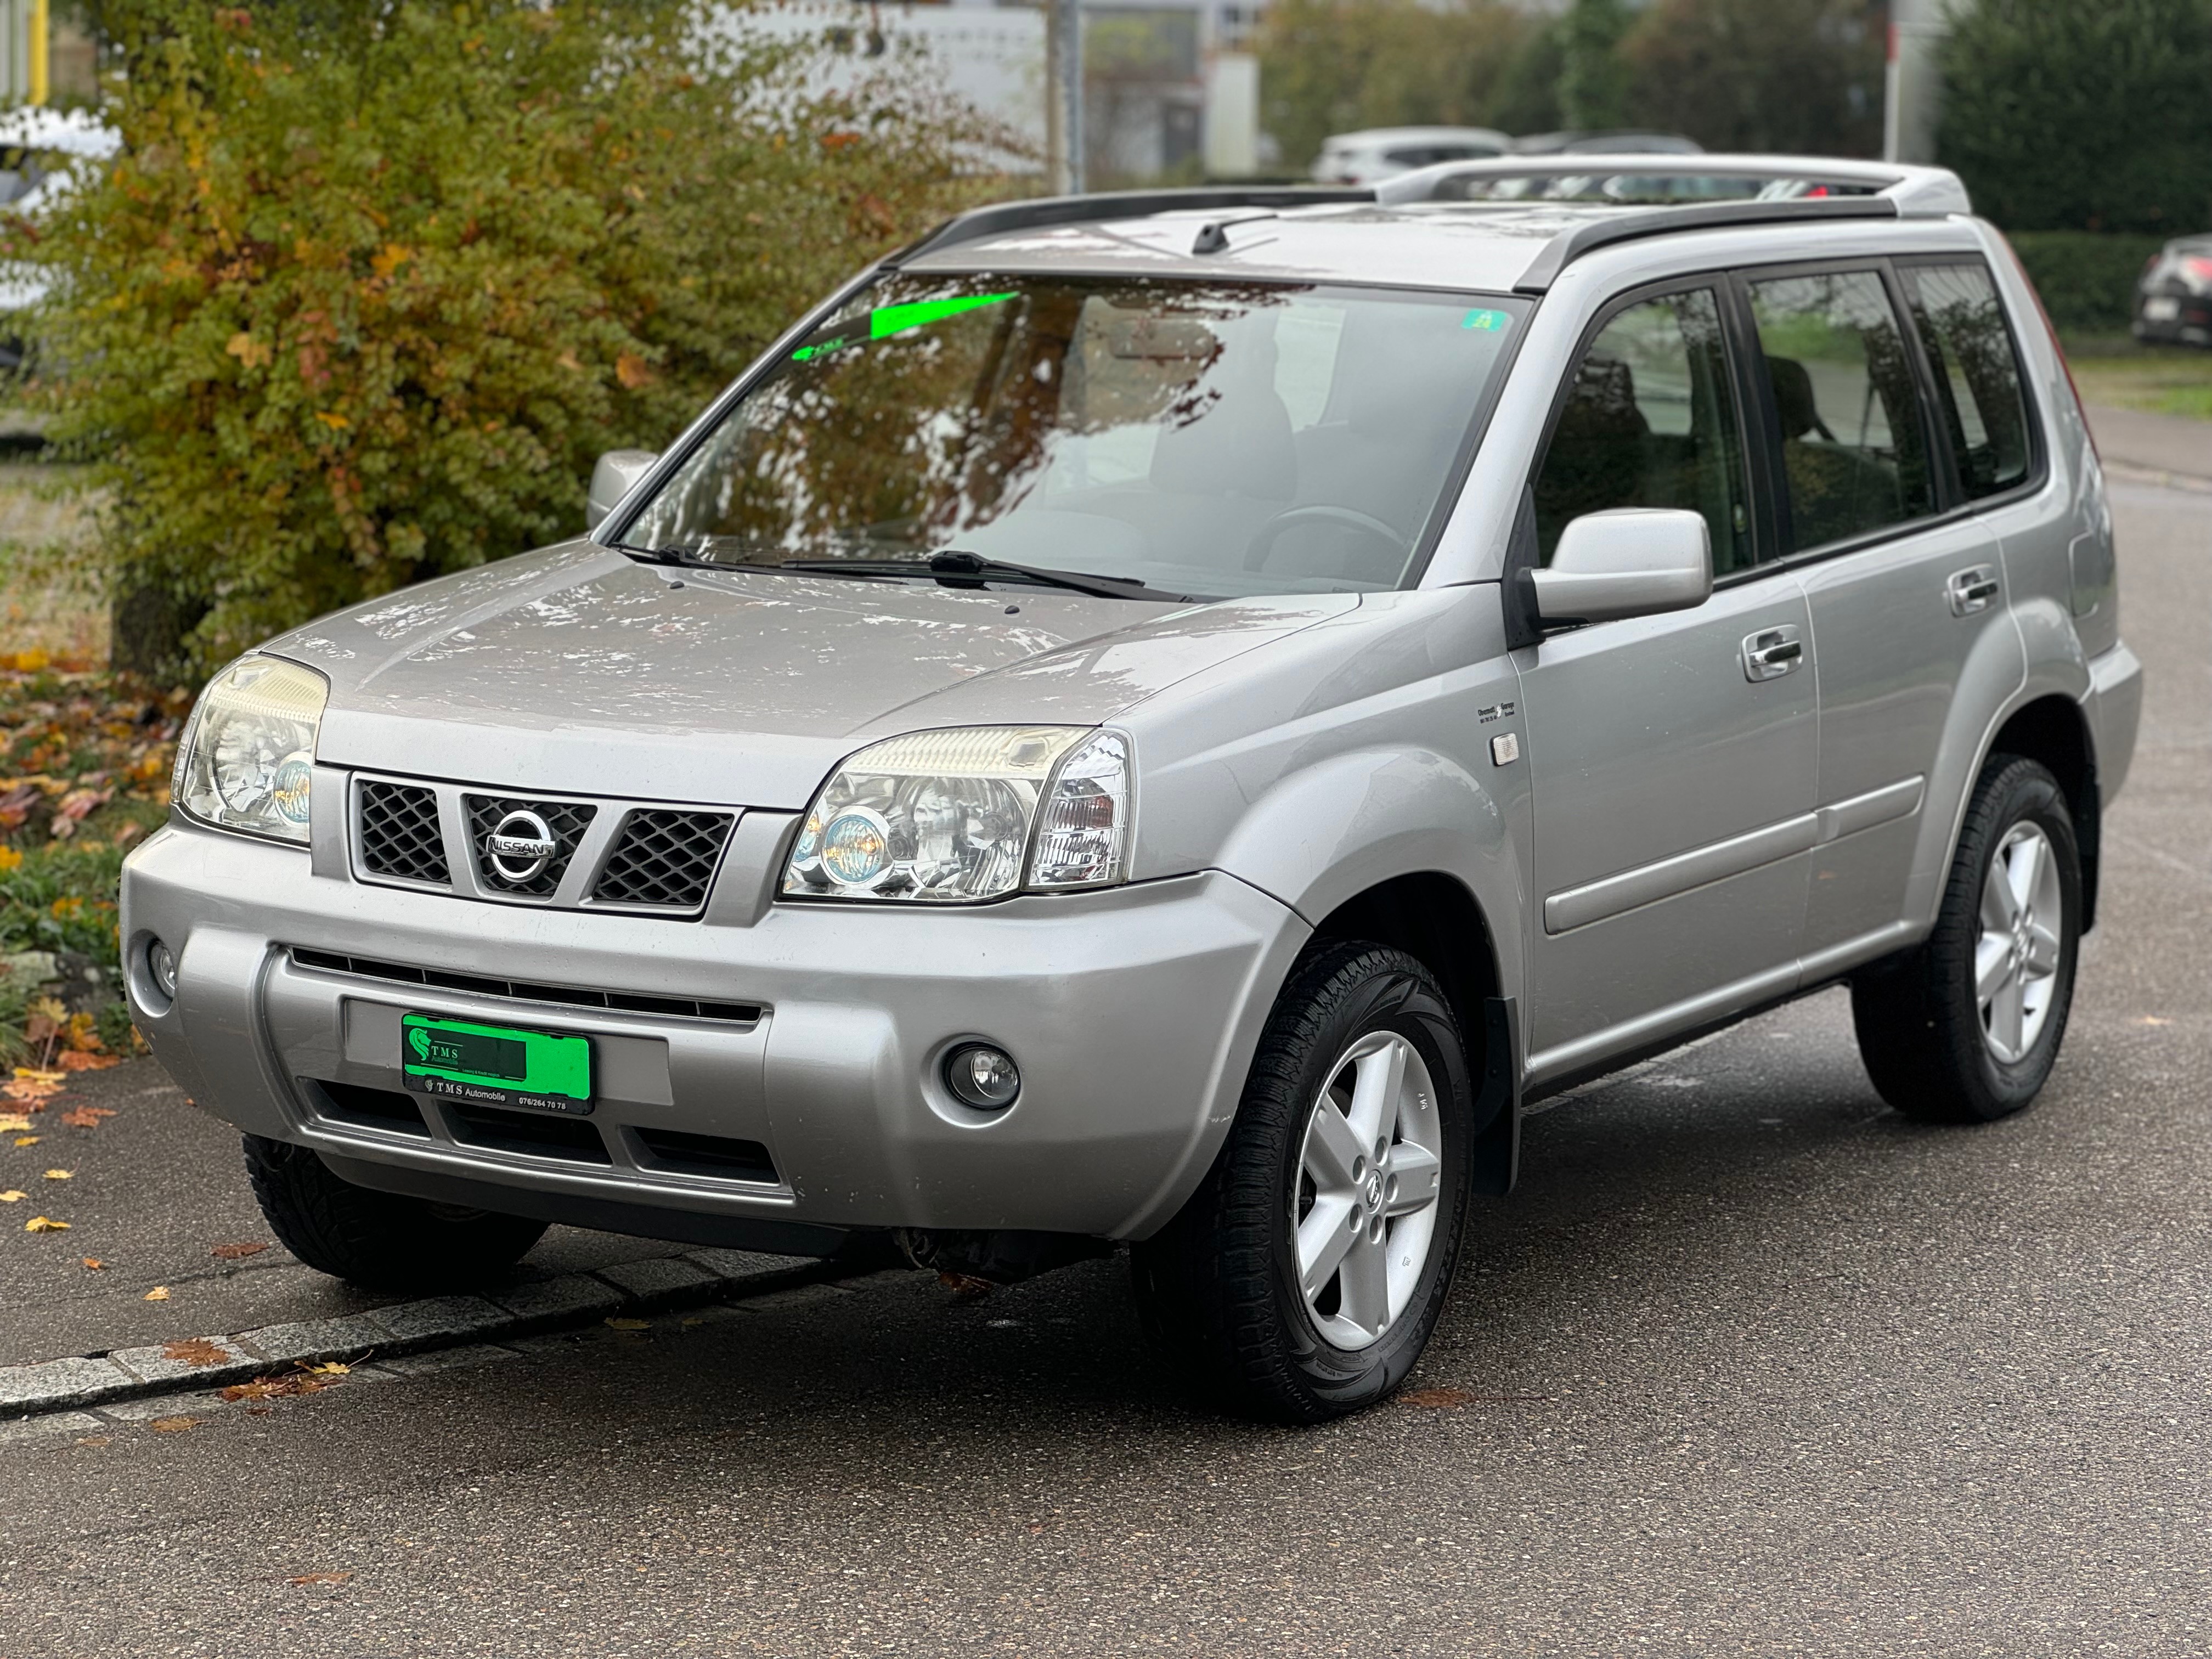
[(1329, 832)]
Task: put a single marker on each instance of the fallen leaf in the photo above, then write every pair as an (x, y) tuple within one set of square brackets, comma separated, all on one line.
[(236, 1252), (277, 1388), (159, 1293), (331, 1368), (1445, 1399), (320, 1578), (196, 1350), (95, 1264), (13, 1195), (965, 1287), (631, 1324), (2153, 1020), (10, 1123), (86, 1117), (45, 1223), (26, 1140), (633, 371), (60, 1175), (173, 1424), (94, 1440), (81, 1060)]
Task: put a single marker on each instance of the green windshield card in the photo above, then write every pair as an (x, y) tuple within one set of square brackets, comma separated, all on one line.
[(495, 1064)]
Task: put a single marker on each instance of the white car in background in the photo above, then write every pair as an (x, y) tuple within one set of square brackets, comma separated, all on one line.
[(41, 153), (1361, 158)]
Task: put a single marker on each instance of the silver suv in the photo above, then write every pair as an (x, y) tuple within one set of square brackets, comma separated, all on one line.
[(1166, 720)]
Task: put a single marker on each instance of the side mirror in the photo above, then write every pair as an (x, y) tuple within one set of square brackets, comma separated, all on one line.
[(617, 469), (1626, 562)]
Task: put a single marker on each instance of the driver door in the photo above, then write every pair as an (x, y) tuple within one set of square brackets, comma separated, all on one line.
[(1673, 757)]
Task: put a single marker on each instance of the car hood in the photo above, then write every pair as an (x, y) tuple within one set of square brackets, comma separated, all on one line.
[(577, 670)]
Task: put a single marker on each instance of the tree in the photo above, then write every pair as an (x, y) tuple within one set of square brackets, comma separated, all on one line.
[(1795, 76), (1593, 76), (1339, 65), (2082, 114), (369, 286)]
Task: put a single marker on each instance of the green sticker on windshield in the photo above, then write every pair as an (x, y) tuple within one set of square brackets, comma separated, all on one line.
[(896, 320), (1489, 322)]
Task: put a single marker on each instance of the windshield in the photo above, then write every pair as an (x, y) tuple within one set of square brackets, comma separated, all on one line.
[(1212, 438)]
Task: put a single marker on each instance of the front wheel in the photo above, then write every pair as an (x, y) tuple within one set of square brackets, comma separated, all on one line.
[(379, 1241), (1964, 1028), (1302, 1279)]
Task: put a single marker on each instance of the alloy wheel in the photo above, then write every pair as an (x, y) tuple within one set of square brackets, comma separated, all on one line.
[(2017, 956), (1363, 1210)]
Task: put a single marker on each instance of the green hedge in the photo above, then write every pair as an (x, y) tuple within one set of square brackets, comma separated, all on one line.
[(2087, 278)]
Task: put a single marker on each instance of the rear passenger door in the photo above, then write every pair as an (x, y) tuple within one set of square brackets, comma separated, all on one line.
[(1672, 758), (1901, 578)]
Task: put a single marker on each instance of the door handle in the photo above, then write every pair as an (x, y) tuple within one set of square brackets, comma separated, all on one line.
[(1970, 590), (1772, 651)]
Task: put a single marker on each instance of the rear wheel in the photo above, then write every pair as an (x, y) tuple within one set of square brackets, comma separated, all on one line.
[(1302, 1279), (381, 1241), (1966, 1028)]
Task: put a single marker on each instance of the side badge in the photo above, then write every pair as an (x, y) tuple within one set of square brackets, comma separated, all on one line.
[(1505, 749)]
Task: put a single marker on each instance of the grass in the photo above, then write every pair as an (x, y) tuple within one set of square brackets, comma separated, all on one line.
[(2122, 373)]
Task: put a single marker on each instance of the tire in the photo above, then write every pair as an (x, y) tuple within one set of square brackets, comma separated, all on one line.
[(1219, 1287), (379, 1241), (1936, 1048)]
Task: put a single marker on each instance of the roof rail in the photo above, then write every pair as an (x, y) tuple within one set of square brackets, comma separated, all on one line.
[(1005, 216), (1570, 245), (1917, 191)]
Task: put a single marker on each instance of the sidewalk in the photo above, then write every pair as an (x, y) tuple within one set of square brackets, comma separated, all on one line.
[(154, 1192), (2154, 443)]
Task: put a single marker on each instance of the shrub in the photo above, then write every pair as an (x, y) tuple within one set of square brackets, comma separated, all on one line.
[(2087, 280), (2082, 114), (369, 286)]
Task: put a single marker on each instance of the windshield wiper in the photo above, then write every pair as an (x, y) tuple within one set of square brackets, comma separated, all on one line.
[(956, 563), (680, 556)]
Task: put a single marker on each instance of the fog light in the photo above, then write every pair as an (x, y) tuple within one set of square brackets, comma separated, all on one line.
[(161, 968), (982, 1077)]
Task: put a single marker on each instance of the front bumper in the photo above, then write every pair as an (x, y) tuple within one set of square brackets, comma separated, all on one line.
[(1132, 1013)]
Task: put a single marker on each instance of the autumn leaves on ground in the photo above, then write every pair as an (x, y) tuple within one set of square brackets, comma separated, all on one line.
[(84, 772)]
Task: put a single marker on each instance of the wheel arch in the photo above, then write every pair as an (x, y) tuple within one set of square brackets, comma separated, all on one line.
[(2051, 730)]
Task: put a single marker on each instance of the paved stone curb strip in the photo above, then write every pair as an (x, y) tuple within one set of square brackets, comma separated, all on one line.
[(665, 1282)]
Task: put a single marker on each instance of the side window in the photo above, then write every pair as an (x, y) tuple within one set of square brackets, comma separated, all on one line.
[(1853, 458), (1651, 421), (1978, 373)]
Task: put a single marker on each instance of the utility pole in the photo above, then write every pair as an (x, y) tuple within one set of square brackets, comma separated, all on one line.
[(1913, 86), (1063, 96)]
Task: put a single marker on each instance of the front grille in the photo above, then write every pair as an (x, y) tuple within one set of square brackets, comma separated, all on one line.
[(679, 1152), (372, 1109), (399, 833), (573, 1138), (663, 857), (568, 996), (568, 820)]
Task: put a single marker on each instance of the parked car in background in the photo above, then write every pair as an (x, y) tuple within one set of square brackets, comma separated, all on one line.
[(2174, 295), (1361, 158), (40, 152), (1163, 721), (1621, 143)]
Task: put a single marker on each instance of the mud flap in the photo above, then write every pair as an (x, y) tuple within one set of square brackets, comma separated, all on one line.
[(1496, 1153)]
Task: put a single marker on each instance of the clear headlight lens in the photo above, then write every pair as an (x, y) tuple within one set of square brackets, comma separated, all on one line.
[(248, 758), (948, 818)]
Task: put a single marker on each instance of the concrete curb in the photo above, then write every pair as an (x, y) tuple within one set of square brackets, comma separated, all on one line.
[(693, 1278)]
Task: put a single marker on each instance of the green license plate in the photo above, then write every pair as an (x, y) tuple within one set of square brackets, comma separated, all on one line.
[(495, 1064)]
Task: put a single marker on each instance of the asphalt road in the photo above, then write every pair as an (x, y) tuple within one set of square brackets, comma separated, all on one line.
[(1747, 1365)]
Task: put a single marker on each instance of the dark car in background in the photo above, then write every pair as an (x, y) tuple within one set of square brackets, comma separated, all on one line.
[(2174, 295)]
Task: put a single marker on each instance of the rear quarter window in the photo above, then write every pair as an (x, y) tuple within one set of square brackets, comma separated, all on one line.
[(1977, 373)]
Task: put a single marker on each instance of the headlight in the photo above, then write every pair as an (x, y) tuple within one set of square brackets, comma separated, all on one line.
[(958, 816), (249, 757)]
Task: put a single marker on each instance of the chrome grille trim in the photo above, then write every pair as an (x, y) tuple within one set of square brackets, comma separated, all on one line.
[(632, 857)]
